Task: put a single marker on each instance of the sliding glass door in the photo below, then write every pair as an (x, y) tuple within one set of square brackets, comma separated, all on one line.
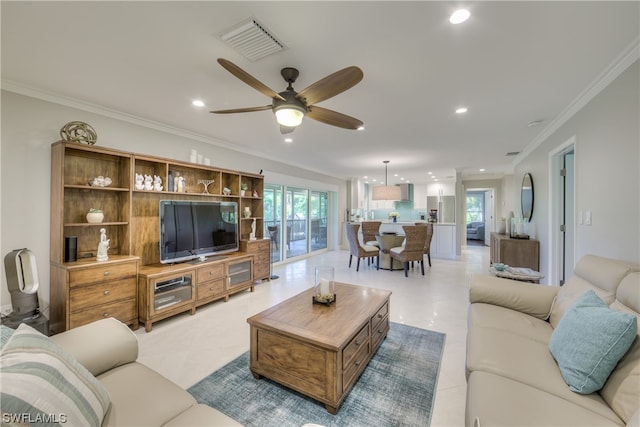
[(297, 207), (318, 215), (273, 219), (295, 219)]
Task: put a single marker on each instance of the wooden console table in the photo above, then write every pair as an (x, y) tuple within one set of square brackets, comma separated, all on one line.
[(515, 252), (317, 350)]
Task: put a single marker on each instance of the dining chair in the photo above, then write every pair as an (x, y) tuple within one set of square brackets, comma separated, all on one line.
[(369, 231), (358, 250), (413, 249), (427, 243)]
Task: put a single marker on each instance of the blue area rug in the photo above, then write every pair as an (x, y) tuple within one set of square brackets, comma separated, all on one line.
[(396, 389)]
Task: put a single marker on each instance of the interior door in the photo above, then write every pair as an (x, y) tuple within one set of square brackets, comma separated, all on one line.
[(567, 227), (488, 216)]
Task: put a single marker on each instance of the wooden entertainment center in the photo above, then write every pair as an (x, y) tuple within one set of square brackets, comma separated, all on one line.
[(132, 285)]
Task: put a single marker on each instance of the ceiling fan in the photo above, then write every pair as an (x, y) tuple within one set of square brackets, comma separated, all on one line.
[(290, 107)]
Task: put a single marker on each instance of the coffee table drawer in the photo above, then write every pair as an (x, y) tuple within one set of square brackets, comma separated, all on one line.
[(354, 346), (379, 316), (357, 365), (379, 333)]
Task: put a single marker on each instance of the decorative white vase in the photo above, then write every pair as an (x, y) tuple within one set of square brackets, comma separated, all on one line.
[(247, 212), (95, 217)]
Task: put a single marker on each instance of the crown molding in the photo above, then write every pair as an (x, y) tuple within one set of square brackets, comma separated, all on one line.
[(623, 61), (55, 98)]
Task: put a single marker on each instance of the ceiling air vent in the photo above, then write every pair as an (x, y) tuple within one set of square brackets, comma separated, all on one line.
[(512, 153), (252, 40)]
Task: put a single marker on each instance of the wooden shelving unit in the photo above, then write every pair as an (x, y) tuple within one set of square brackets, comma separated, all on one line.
[(131, 220)]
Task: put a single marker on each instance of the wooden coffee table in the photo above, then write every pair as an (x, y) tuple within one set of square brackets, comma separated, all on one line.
[(317, 350)]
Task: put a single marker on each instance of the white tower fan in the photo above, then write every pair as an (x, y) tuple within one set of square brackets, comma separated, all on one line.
[(22, 281)]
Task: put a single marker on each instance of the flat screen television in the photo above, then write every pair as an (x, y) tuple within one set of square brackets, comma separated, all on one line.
[(197, 229)]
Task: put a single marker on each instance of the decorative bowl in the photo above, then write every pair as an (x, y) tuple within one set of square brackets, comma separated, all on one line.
[(95, 217), (499, 266)]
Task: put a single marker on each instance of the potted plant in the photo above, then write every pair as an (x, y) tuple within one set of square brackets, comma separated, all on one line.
[(95, 216), (243, 188), (394, 216)]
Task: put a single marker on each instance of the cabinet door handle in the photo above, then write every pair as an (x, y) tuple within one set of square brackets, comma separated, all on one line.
[(105, 315), (106, 273), (379, 315), (358, 363), (106, 292), (358, 342)]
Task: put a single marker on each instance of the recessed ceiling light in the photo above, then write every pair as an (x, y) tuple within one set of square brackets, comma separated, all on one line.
[(459, 16), (361, 128), (198, 103), (430, 173), (482, 170), (461, 110), (288, 140)]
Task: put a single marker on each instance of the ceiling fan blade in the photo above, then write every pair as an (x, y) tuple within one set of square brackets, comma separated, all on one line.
[(242, 110), (249, 79), (286, 129), (331, 85), (333, 118)]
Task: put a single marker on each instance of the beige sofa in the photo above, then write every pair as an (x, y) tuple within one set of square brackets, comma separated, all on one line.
[(512, 377), (139, 395)]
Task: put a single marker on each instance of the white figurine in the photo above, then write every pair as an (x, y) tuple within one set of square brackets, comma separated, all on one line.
[(252, 236), (148, 182), (103, 246), (157, 183), (139, 181)]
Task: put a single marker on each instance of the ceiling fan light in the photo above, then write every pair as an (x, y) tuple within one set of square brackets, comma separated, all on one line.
[(289, 116)]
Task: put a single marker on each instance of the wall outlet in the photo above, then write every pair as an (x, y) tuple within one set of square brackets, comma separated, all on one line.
[(587, 218)]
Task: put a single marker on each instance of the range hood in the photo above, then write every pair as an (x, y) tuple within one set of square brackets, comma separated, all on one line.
[(406, 192)]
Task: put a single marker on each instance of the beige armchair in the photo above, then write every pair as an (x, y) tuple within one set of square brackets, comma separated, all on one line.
[(358, 250)]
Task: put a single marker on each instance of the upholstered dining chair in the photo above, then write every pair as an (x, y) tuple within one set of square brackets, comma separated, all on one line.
[(369, 231), (427, 243), (358, 250), (413, 249)]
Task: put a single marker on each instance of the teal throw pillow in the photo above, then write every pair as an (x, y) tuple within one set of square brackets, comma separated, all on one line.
[(589, 341)]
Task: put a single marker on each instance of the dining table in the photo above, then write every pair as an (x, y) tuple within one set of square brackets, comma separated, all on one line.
[(386, 241)]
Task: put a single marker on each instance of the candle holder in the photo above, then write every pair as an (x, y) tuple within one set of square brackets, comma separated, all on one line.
[(324, 289)]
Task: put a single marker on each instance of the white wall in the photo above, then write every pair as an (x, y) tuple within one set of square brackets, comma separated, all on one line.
[(30, 126), (607, 177)]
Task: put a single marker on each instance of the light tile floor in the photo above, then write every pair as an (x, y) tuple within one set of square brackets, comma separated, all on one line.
[(187, 348)]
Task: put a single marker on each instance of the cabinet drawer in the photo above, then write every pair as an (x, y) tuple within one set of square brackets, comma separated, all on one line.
[(354, 346), (104, 293), (379, 333), (101, 273), (125, 311), (355, 367), (379, 316), (210, 289), (210, 272)]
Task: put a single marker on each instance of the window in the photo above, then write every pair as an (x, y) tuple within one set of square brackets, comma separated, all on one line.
[(475, 206)]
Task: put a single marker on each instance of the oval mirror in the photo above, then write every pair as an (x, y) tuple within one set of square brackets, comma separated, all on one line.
[(526, 197)]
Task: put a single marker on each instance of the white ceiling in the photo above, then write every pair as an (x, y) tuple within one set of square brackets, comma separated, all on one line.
[(511, 63)]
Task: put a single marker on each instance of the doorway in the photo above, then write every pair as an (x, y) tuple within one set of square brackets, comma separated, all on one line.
[(563, 226), (479, 216)]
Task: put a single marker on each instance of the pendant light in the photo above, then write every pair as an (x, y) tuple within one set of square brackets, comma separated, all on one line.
[(386, 191)]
